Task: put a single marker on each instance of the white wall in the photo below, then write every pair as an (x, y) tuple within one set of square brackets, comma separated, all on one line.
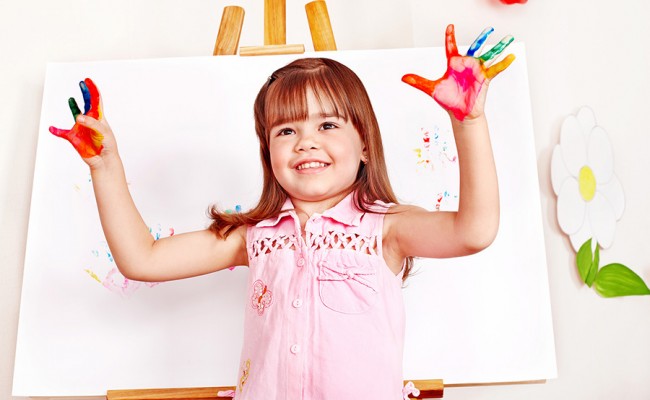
[(591, 52)]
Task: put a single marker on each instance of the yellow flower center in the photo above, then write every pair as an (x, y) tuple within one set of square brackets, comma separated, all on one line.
[(587, 182)]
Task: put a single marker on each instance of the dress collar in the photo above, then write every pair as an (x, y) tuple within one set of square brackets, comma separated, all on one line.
[(345, 212)]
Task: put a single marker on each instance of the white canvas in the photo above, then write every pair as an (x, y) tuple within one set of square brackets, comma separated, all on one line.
[(185, 132)]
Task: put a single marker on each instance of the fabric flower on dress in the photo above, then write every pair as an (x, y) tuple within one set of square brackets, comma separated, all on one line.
[(262, 297), (590, 197)]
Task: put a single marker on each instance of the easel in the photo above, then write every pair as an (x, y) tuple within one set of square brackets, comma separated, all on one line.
[(230, 28)]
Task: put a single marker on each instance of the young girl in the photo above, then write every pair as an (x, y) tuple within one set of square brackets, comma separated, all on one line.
[(327, 245)]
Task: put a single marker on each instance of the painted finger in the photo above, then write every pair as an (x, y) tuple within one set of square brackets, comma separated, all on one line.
[(421, 83), (479, 41), (500, 66), (450, 42), (95, 104), (497, 49), (86, 94), (59, 132), (74, 108)]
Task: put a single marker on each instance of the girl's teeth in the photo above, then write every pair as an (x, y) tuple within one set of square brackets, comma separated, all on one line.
[(311, 165)]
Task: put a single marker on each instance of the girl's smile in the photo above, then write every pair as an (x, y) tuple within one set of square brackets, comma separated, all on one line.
[(311, 165)]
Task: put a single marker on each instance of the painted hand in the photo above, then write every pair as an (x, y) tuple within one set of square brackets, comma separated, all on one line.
[(459, 89), (86, 141)]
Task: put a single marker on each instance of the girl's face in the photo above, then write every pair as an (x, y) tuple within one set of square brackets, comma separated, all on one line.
[(317, 159)]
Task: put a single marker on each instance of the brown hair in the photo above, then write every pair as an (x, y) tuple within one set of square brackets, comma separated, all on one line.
[(283, 98)]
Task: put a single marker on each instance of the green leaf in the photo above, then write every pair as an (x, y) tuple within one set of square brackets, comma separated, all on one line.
[(615, 280), (593, 270), (584, 260)]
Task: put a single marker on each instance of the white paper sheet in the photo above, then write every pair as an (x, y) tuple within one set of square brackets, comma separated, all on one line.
[(185, 132)]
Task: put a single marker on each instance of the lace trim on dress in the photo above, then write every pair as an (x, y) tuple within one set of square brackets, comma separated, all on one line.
[(331, 241), (268, 245), (345, 241)]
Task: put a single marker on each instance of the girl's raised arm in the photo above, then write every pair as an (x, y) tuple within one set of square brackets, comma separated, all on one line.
[(413, 231), (137, 255)]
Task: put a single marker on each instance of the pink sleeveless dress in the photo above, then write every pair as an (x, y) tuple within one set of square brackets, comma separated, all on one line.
[(325, 314)]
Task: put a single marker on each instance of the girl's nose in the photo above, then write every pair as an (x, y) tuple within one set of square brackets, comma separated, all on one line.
[(307, 142)]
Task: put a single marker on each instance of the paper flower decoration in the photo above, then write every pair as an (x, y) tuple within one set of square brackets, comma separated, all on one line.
[(590, 197), (589, 202)]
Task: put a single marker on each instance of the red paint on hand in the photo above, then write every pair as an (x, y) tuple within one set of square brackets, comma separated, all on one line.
[(461, 84), (86, 141)]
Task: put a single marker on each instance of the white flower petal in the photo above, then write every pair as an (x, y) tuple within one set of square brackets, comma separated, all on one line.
[(559, 171), (570, 207), (586, 118), (602, 219), (573, 144), (581, 236), (613, 192), (599, 155)]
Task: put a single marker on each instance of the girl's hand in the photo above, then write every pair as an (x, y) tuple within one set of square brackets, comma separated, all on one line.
[(459, 90), (91, 136)]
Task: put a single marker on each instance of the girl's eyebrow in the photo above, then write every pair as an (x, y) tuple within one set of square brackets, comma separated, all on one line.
[(326, 114)]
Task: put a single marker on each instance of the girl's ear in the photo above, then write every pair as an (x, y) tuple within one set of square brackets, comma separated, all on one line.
[(364, 156)]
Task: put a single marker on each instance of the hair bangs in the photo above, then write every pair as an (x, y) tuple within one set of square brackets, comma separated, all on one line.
[(286, 99)]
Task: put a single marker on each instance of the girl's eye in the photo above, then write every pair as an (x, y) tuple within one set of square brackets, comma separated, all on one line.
[(286, 132), (328, 125)]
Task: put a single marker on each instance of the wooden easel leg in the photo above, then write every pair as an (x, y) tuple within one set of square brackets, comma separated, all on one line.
[(232, 20), (275, 19), (320, 26)]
